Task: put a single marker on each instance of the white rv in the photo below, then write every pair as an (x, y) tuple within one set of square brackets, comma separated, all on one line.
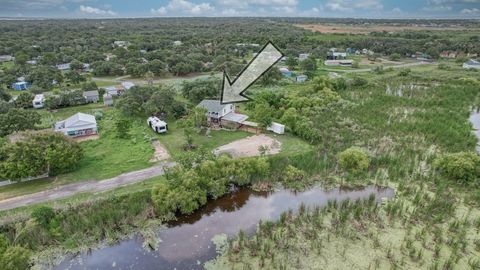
[(38, 101), (157, 125)]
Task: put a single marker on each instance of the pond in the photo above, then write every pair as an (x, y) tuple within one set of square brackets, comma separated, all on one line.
[(186, 243)]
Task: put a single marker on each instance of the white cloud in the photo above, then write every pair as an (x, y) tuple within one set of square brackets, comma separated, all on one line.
[(397, 10), (351, 5), (440, 8), (470, 11), (183, 7), (96, 11), (230, 12)]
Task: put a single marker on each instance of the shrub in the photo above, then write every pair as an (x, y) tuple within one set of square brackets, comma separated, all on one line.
[(292, 174), (15, 258), (359, 81), (461, 166), (43, 215), (354, 159)]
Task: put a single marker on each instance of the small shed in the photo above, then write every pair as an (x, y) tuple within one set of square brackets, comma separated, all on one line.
[(19, 86), (277, 128), (91, 96), (301, 78), (285, 72), (107, 99), (38, 101)]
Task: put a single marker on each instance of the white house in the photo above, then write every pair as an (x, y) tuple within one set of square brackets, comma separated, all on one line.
[(91, 96), (6, 58), (77, 125), (222, 114), (38, 101), (128, 85), (63, 66), (157, 125), (471, 64), (107, 99), (177, 43)]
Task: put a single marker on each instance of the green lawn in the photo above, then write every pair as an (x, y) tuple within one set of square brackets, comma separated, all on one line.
[(174, 140)]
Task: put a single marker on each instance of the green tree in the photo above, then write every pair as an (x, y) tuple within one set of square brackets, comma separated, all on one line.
[(354, 159), (24, 100), (291, 62), (263, 114), (38, 153), (76, 65), (17, 120), (201, 89), (122, 127), (309, 64), (16, 258), (4, 95)]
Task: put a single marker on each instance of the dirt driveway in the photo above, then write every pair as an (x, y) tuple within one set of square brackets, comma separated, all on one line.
[(249, 147), (89, 186), (160, 152)]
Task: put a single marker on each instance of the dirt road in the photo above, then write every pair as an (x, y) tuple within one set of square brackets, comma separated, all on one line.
[(371, 69), (88, 186)]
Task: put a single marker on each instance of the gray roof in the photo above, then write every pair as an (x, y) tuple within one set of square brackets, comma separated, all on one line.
[(235, 117), (93, 93), (80, 118), (212, 105), (473, 62)]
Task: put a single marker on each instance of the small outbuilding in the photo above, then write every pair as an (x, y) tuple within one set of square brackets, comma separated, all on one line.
[(38, 101), (19, 86), (301, 78), (471, 64), (78, 125), (91, 96), (107, 99), (277, 128)]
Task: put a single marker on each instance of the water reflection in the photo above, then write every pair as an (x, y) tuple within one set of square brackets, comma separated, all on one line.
[(186, 243)]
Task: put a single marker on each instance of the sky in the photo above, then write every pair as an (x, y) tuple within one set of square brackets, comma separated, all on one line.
[(233, 8)]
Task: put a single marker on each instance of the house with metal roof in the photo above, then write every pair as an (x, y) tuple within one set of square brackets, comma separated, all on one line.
[(222, 115), (77, 125), (91, 96)]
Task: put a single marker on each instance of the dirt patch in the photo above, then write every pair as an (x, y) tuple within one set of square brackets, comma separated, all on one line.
[(366, 29), (87, 138), (249, 147), (160, 152)]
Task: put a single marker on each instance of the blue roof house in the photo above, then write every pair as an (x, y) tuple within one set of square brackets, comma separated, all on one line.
[(19, 86)]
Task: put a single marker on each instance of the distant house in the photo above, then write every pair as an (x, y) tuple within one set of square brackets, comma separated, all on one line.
[(301, 78), (6, 58), (343, 63), (19, 86), (77, 125), (285, 72), (177, 43), (223, 115), (448, 54), (471, 64), (283, 59), (336, 55), (127, 85), (107, 99), (91, 96), (38, 101), (63, 66), (303, 56), (277, 128), (112, 90), (32, 62), (121, 44)]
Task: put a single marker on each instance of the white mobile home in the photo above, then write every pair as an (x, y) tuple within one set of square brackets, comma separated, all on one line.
[(77, 125), (157, 125)]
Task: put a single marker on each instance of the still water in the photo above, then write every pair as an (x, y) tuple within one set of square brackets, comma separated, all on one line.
[(186, 243)]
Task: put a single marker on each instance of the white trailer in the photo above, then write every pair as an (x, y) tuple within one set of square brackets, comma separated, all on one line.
[(38, 101), (157, 125)]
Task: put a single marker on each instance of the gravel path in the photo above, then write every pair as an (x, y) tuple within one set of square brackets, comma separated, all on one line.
[(85, 186)]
